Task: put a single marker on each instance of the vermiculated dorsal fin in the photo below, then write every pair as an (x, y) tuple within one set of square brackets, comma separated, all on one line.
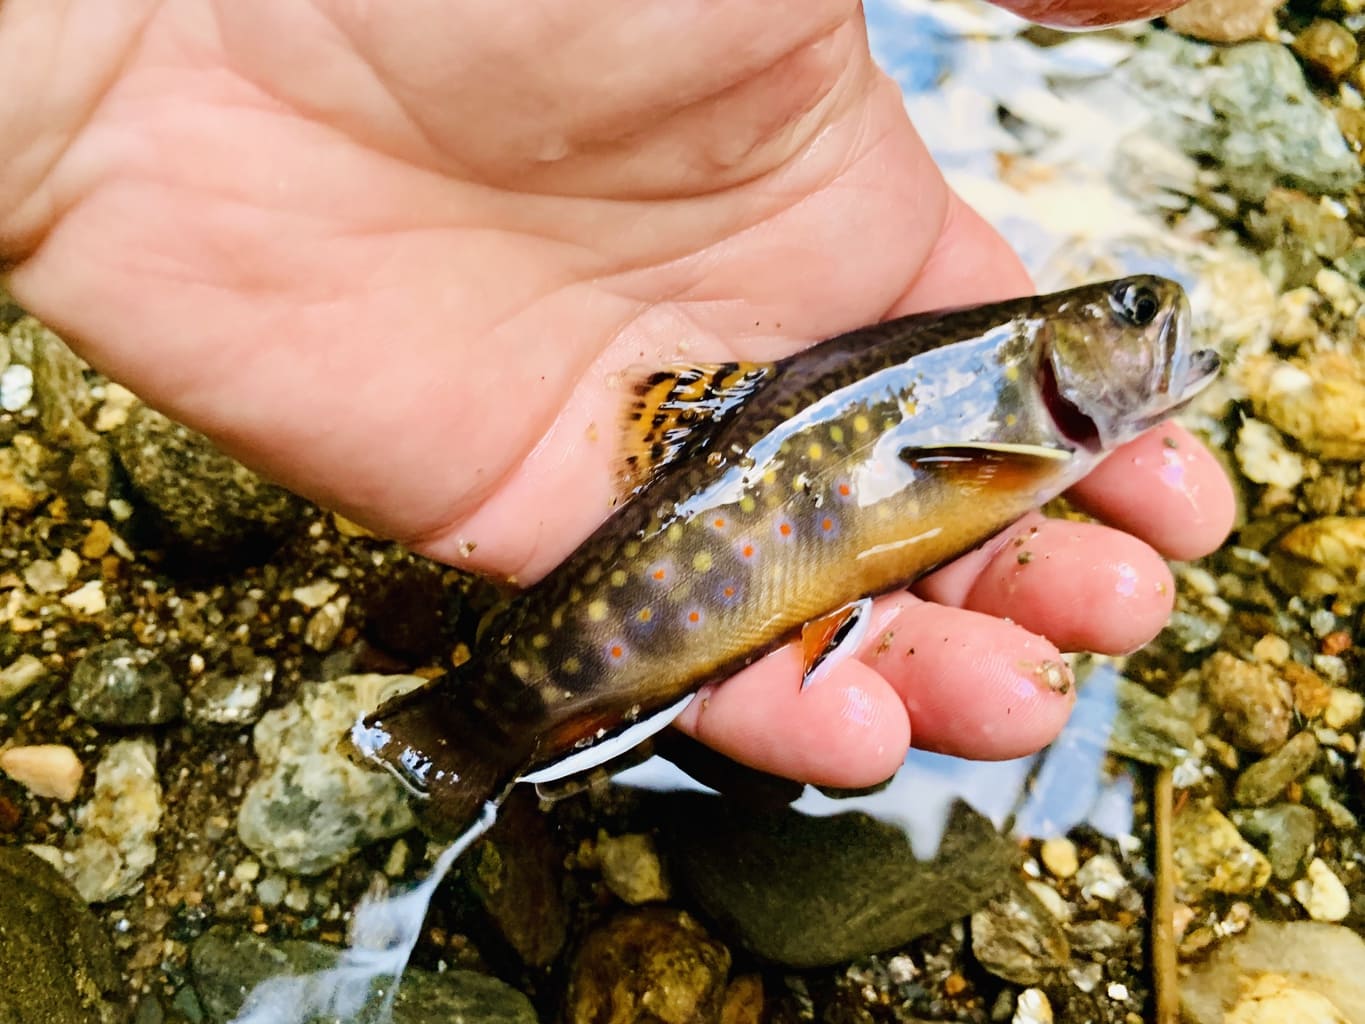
[(676, 410)]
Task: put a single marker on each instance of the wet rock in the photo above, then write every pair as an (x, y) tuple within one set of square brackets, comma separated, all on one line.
[(1269, 128), (1264, 458), (1149, 728), (631, 868), (517, 872), (1302, 233), (805, 892), (1286, 832), (56, 963), (115, 842), (1321, 893), (1317, 399), (1328, 48), (310, 807), (16, 387), (1319, 792), (44, 769), (1254, 705), (235, 695), (120, 683), (202, 499), (1326, 959), (1344, 708), (1033, 1007), (1321, 558), (1223, 21), (1015, 937), (648, 965), (23, 465), (743, 1000), (1263, 781), (1059, 857), (16, 677), (1100, 878), (227, 963), (1212, 856), (61, 393)]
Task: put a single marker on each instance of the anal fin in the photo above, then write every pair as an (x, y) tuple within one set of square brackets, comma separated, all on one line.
[(608, 748), (676, 411), (830, 639)]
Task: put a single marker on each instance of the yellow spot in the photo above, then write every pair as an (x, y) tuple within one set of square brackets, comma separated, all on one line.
[(571, 665), (630, 548), (597, 610), (1011, 372), (770, 476), (575, 595), (747, 503), (520, 669), (836, 434), (675, 532), (815, 452), (1011, 420), (645, 614), (701, 561), (618, 578), (860, 424), (557, 618), (593, 574), (909, 408), (540, 641)]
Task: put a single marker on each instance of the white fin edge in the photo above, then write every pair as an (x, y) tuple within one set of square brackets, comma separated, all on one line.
[(610, 748), (848, 645), (1041, 451)]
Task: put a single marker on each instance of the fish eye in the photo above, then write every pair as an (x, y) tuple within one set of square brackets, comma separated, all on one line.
[(1135, 304)]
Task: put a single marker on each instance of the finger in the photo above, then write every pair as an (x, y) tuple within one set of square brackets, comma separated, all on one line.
[(965, 683), (1166, 488), (1084, 586)]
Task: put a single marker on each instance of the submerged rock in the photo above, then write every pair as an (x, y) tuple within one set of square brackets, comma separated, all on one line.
[(1322, 558), (120, 683), (648, 965), (1263, 781), (1254, 704), (311, 807), (235, 695), (805, 892), (1015, 937), (201, 498), (1317, 400), (56, 964), (1212, 856), (1286, 832), (1223, 21), (116, 840)]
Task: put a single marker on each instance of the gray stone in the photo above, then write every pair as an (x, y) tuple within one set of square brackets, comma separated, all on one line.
[(1327, 959), (56, 963), (311, 807), (235, 695), (1254, 705), (200, 498), (1211, 855), (654, 965), (115, 842), (1263, 781), (1149, 728), (806, 892), (1015, 937), (1286, 832), (62, 395), (227, 963), (120, 683)]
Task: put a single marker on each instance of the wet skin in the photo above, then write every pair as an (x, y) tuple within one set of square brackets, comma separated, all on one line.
[(398, 266)]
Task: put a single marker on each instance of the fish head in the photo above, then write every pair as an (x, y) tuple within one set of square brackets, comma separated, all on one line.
[(1118, 358)]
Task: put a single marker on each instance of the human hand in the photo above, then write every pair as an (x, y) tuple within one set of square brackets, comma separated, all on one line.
[(396, 258)]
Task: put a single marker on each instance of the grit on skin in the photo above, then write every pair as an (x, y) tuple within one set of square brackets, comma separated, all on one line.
[(418, 310)]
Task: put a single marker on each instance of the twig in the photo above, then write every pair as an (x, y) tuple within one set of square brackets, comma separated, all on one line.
[(1164, 979)]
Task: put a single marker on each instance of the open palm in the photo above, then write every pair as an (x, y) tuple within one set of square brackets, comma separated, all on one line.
[(400, 257)]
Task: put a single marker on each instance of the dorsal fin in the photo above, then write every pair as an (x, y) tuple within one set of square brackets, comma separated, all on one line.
[(675, 412)]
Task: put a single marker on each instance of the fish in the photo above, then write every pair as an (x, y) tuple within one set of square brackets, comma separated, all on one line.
[(767, 500)]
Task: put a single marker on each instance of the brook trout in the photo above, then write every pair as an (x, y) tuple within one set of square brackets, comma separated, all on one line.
[(770, 496)]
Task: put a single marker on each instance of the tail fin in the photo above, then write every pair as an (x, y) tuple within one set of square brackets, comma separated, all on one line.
[(444, 751)]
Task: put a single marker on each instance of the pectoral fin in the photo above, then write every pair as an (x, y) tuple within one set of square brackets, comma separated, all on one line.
[(830, 639), (676, 411), (974, 467)]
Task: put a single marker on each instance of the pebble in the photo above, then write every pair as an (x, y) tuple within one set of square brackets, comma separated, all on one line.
[(315, 595), (631, 868), (1321, 558), (16, 387), (1327, 960), (1100, 878), (87, 599), (1149, 728), (743, 1000), (1316, 400), (120, 683), (1344, 708), (1276, 999), (1211, 855), (1223, 21), (1322, 893), (1254, 705), (310, 806), (113, 412), (325, 624), (115, 842), (16, 677), (1059, 857), (1327, 48), (235, 695), (1264, 458), (45, 770), (1017, 938), (1285, 831), (1263, 781), (1033, 1007), (43, 577), (98, 540), (648, 964)]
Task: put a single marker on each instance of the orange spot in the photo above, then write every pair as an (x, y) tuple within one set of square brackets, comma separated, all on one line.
[(616, 652), (785, 529), (645, 615), (827, 524), (748, 551), (694, 616), (729, 591), (718, 523), (660, 573), (845, 490)]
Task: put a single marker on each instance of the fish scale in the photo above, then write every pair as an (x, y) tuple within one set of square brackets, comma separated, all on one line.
[(765, 496)]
